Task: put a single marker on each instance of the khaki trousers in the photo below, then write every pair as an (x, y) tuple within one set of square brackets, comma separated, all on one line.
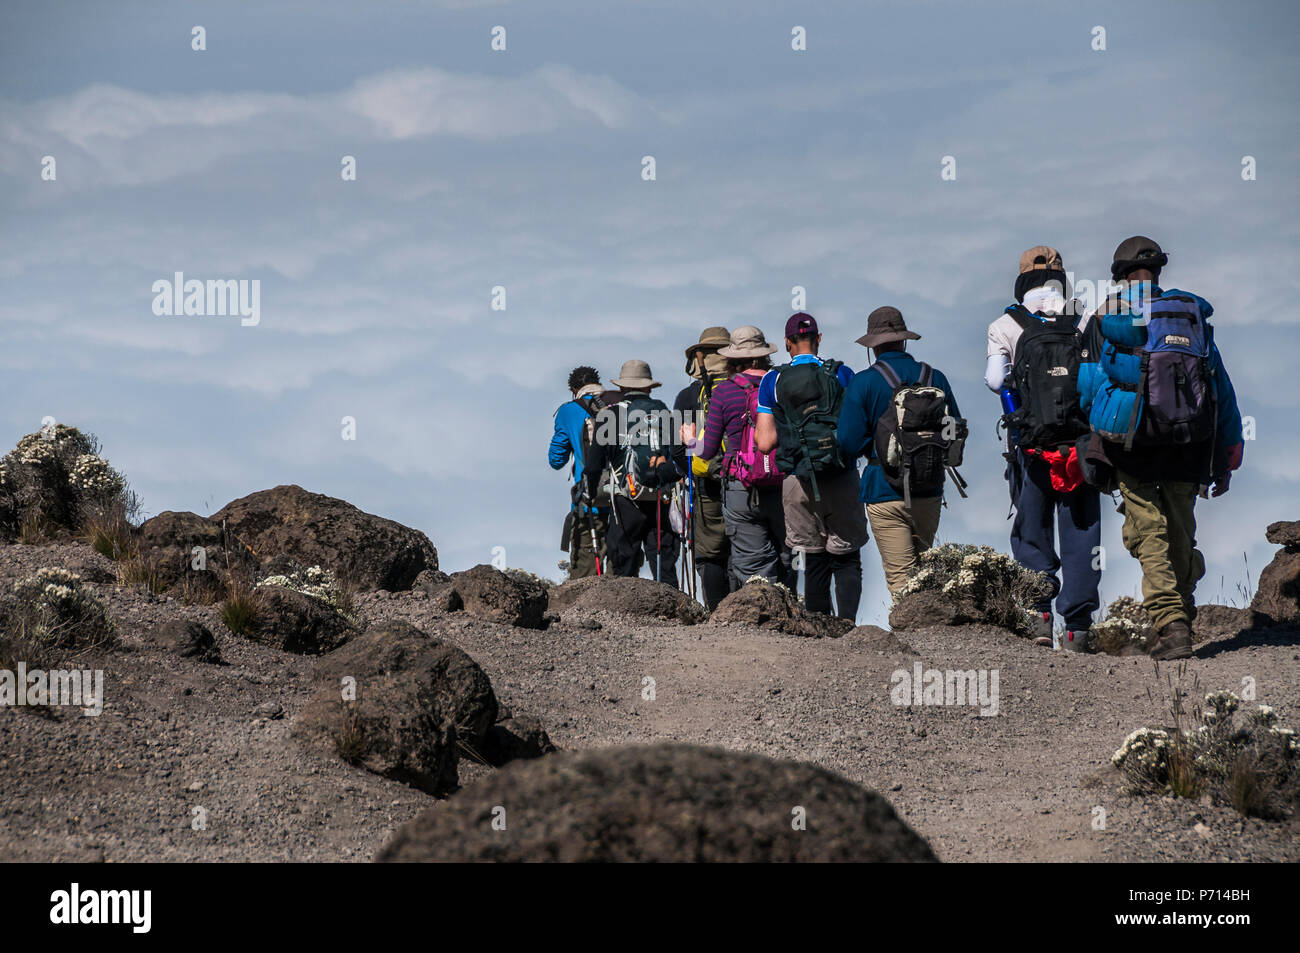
[(1160, 532), (902, 535)]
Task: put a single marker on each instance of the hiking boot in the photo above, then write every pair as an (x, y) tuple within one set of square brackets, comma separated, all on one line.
[(1175, 642), (1040, 628), (1075, 640)]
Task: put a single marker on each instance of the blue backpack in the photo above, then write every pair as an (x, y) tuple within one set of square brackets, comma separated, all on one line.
[(1167, 342)]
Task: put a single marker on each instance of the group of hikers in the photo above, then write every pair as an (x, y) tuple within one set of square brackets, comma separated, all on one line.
[(754, 471)]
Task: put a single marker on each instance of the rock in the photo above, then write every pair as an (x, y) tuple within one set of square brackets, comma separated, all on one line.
[(1216, 621), (765, 605), (91, 567), (1284, 533), (577, 600), (1277, 595), (167, 542), (270, 710), (367, 551), (186, 638), (516, 737), (880, 640), (297, 622), (665, 802), (487, 593), (930, 607), (415, 698)]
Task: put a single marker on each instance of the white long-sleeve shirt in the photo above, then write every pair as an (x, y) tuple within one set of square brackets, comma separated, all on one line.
[(1004, 332)]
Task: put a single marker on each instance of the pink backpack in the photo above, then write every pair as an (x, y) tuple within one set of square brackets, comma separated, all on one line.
[(746, 464)]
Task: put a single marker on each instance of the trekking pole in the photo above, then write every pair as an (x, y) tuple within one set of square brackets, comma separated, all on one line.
[(689, 558), (595, 545), (659, 534)]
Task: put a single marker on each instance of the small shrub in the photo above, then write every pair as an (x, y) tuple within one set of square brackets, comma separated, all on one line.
[(1244, 760), (991, 584), (350, 740), (56, 482), (240, 611), (1125, 630), (50, 613)]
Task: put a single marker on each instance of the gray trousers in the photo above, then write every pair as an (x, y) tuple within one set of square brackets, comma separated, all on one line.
[(755, 521)]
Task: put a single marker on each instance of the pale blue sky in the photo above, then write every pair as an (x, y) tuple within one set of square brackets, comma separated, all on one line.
[(475, 168)]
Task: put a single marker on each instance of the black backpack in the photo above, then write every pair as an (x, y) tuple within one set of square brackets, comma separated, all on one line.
[(1046, 377), (641, 437), (810, 396), (587, 439), (917, 439)]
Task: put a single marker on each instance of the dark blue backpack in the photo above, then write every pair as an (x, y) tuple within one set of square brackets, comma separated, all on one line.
[(1176, 399)]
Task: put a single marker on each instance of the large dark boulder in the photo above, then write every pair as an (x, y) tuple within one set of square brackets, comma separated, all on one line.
[(1278, 594), (168, 542), (297, 622), (363, 550), (487, 593), (764, 605), (577, 600), (664, 802), (416, 699)]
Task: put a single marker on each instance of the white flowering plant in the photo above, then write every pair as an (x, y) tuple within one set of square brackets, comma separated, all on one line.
[(1125, 630), (990, 584), (52, 609), (56, 480), (1241, 758), (314, 581)]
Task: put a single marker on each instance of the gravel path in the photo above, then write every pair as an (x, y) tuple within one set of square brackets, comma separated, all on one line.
[(1027, 784)]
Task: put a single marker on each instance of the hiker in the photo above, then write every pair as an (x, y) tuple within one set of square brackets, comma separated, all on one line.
[(1034, 350), (631, 457), (586, 522), (798, 407), (751, 501), (902, 416), (1167, 426), (710, 547)]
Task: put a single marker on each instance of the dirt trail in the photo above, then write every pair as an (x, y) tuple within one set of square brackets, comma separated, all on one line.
[(1024, 785)]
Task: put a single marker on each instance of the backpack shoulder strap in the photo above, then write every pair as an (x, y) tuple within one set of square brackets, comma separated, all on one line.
[(887, 373), (590, 407), (1021, 315), (927, 375)]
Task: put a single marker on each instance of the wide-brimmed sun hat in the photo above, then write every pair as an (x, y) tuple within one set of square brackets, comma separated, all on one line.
[(747, 341), (885, 325), (635, 375), (710, 340)]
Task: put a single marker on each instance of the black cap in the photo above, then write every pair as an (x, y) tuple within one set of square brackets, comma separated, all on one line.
[(1134, 253)]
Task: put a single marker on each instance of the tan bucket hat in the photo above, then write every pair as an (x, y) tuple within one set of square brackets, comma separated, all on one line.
[(1040, 258), (710, 339), (635, 375), (747, 341), (884, 325)]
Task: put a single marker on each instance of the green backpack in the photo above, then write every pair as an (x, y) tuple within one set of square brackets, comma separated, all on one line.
[(810, 397)]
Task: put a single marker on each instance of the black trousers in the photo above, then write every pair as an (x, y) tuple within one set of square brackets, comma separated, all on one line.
[(638, 536)]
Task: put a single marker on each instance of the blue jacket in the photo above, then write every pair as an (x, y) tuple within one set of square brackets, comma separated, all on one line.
[(866, 399), (566, 442), (1112, 366)]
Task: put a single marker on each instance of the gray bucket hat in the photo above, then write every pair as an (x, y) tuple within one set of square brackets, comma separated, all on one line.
[(635, 375), (747, 341)]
